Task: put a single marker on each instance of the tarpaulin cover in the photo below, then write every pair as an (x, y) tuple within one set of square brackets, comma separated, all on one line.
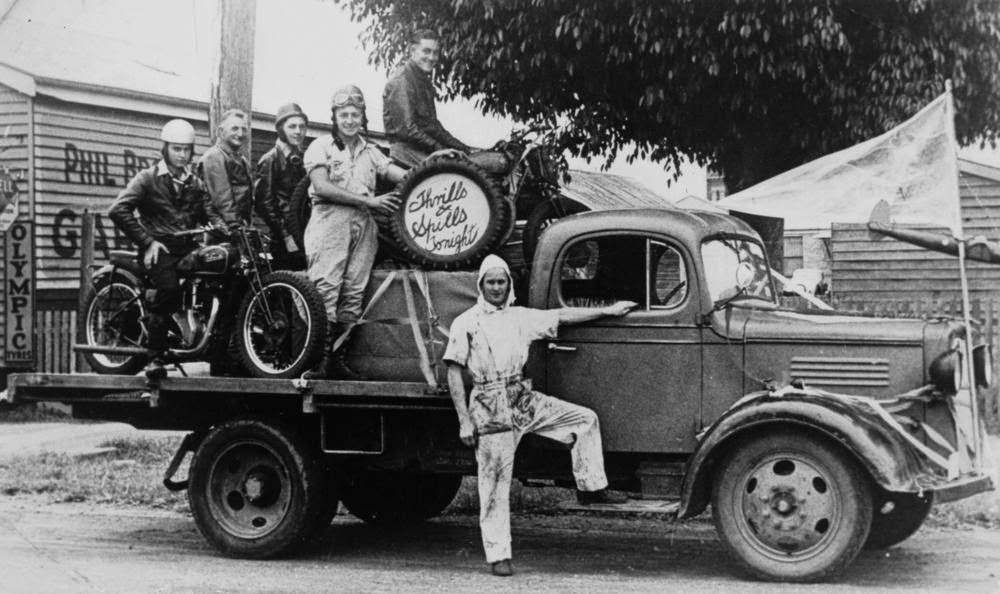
[(913, 167), (384, 348)]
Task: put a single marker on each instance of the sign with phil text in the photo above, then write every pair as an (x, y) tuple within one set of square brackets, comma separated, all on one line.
[(446, 214), (19, 294)]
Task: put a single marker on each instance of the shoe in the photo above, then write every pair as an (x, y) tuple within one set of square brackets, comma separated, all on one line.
[(324, 369), (155, 370), (339, 369), (502, 568), (601, 497)]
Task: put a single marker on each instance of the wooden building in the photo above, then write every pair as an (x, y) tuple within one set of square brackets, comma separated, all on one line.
[(868, 269), (66, 147)]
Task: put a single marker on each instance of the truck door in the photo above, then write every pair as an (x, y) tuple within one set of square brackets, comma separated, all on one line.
[(641, 373)]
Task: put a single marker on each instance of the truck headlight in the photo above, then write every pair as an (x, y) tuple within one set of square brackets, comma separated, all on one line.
[(982, 364), (946, 369)]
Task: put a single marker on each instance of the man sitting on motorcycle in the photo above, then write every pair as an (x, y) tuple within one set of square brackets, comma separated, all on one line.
[(410, 117), (168, 198)]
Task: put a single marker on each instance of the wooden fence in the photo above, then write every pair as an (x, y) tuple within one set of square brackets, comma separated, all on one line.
[(56, 335)]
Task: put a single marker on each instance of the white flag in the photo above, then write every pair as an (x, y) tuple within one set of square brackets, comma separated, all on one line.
[(913, 167)]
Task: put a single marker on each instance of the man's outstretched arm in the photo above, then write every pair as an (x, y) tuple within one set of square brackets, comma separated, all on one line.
[(577, 315)]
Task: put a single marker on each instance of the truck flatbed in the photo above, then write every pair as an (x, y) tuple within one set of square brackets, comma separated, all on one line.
[(313, 394)]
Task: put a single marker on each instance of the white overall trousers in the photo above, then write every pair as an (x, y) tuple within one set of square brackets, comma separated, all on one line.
[(506, 408)]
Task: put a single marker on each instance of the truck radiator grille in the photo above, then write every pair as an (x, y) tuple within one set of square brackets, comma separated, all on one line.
[(841, 372)]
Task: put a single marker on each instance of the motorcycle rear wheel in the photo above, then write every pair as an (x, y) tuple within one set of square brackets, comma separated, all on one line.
[(281, 330), (112, 317)]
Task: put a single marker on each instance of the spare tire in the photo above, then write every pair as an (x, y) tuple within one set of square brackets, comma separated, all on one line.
[(451, 215)]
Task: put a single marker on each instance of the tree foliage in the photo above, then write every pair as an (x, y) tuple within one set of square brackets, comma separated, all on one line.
[(751, 87)]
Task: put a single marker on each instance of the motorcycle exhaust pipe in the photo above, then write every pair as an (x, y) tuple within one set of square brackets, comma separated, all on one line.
[(109, 350)]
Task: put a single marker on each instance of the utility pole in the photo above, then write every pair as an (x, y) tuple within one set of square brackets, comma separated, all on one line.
[(232, 71)]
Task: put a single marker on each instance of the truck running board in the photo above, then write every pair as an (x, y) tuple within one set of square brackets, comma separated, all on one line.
[(109, 350), (632, 506)]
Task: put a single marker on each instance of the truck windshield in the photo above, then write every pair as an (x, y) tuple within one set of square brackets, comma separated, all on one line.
[(723, 257)]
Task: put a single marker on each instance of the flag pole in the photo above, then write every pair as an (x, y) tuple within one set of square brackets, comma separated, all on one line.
[(966, 303)]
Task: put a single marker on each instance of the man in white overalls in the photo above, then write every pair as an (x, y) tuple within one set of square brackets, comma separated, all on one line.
[(491, 340)]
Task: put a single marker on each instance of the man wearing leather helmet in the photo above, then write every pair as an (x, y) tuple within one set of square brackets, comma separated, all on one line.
[(167, 198), (342, 237), (278, 172)]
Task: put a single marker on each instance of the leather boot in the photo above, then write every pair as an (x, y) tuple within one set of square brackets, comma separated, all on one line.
[(322, 370), (338, 365)]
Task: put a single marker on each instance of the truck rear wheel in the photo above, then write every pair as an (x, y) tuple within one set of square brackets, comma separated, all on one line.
[(255, 490), (897, 517), (791, 507), (395, 498)]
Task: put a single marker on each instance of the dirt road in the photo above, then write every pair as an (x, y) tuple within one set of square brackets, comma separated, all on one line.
[(86, 548)]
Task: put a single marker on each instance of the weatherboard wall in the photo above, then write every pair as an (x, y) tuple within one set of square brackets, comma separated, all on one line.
[(867, 269), (84, 157)]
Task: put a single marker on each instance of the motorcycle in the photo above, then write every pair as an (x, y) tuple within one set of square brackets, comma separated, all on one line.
[(455, 210), (278, 329)]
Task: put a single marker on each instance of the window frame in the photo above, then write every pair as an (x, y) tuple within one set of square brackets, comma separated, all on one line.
[(647, 238)]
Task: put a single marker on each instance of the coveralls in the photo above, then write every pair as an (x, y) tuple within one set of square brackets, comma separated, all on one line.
[(166, 205), (492, 343), (341, 240)]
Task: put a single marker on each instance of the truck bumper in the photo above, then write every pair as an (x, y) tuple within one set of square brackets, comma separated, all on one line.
[(962, 488)]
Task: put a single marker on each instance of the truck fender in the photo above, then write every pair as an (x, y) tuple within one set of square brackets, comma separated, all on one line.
[(890, 462)]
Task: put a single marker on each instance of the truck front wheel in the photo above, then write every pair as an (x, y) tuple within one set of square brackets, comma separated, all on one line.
[(255, 490), (791, 507), (395, 498)]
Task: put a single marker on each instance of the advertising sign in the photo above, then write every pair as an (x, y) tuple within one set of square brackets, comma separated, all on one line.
[(19, 294), (446, 214)]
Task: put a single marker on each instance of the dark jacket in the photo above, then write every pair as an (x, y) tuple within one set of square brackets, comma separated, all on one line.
[(408, 111), (229, 182), (277, 176), (163, 209)]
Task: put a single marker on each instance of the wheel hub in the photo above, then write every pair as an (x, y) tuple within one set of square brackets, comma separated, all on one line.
[(788, 505), (249, 490)]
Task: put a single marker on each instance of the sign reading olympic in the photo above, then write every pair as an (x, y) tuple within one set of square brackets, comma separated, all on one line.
[(446, 214)]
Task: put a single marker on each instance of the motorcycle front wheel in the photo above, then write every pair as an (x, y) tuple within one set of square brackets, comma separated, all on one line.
[(281, 329)]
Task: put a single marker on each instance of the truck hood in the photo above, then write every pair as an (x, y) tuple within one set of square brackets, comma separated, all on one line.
[(768, 323)]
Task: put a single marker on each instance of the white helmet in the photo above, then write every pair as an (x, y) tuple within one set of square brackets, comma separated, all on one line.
[(178, 132)]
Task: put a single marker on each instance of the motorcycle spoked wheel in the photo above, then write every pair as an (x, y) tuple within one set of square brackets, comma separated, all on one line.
[(281, 329), (479, 220), (112, 316)]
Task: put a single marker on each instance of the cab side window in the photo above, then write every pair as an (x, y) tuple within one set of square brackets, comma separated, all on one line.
[(599, 271)]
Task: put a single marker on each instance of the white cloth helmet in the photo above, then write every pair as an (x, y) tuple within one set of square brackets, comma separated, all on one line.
[(178, 132)]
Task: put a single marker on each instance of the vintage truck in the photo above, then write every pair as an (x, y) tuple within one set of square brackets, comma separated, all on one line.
[(812, 436)]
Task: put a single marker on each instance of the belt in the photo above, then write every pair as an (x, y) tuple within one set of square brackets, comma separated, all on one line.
[(499, 383)]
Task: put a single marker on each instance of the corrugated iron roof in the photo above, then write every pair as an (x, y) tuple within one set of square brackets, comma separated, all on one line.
[(606, 191)]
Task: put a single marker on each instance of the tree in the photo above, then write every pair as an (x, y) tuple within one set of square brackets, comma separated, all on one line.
[(751, 87)]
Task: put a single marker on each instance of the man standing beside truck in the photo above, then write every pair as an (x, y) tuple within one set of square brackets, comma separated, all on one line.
[(491, 340), (168, 198)]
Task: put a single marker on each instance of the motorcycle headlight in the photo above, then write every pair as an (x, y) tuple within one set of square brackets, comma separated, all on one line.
[(946, 369), (982, 364)]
